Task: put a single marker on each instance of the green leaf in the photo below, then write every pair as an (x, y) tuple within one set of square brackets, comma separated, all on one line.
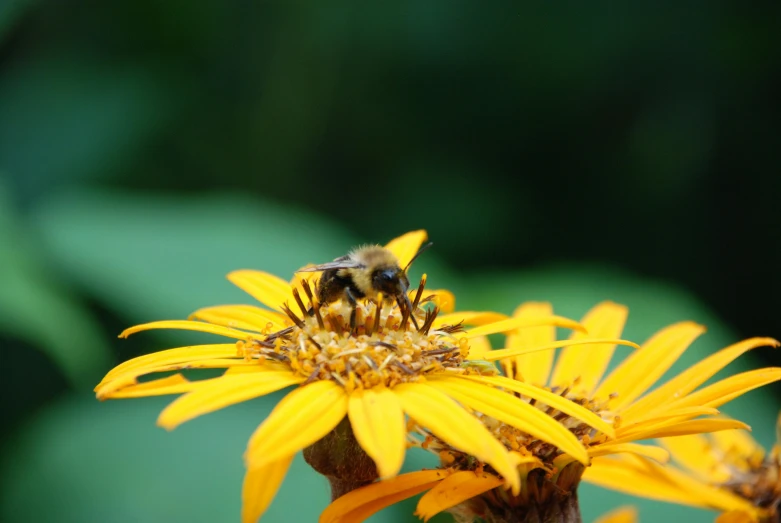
[(38, 309)]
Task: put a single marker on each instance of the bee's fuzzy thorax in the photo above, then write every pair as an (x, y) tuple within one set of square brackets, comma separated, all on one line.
[(371, 258)]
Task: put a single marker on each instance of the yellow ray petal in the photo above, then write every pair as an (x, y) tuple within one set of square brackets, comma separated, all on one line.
[(506, 353), (187, 325), (437, 412), (736, 516), (378, 424), (272, 291), (625, 514), (640, 370), (533, 368), (695, 453), (361, 503), (176, 384), (442, 298), (514, 412), (738, 448), (681, 428), (130, 378), (469, 318), (479, 347), (453, 490), (223, 392), (246, 317), (511, 324), (260, 486), (407, 245), (730, 388), (606, 320), (639, 477), (653, 452), (694, 376), (546, 397), (682, 414), (170, 356), (301, 418)]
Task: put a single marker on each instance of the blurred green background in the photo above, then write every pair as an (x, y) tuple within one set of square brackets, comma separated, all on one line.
[(553, 153)]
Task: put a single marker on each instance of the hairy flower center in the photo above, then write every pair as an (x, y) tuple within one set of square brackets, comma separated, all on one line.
[(376, 345)]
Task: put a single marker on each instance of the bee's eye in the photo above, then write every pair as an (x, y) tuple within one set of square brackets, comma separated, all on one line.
[(387, 275)]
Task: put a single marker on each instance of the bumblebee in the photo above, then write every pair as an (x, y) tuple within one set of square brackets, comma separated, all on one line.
[(364, 273)]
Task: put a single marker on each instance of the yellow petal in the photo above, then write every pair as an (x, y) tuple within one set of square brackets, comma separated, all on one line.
[(453, 490), (625, 514), (548, 398), (377, 421), (130, 378), (187, 325), (682, 428), (730, 388), (479, 347), (738, 448), (736, 516), (640, 370), (695, 453), (176, 384), (170, 356), (606, 320), (300, 419), (272, 291), (511, 324), (660, 416), (407, 245), (514, 412), (223, 392), (505, 353), (653, 452), (532, 368), (437, 412), (246, 317), (469, 318), (442, 298), (639, 477), (694, 376), (260, 486), (361, 503)]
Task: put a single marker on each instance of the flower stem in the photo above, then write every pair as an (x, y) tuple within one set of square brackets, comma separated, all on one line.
[(340, 458)]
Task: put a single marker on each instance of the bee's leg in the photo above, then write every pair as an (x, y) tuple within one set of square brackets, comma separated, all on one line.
[(353, 304)]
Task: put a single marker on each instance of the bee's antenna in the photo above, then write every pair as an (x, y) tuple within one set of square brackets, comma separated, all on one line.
[(420, 251)]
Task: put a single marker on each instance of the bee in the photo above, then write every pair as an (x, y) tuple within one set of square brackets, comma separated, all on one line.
[(364, 273)]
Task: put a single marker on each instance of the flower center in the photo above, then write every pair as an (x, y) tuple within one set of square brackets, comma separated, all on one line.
[(375, 345), (522, 442)]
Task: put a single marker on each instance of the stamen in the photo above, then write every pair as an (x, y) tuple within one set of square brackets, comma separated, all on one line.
[(419, 293), (297, 296), (387, 345), (292, 315), (439, 351), (431, 315)]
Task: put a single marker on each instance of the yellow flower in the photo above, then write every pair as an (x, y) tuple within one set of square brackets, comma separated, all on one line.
[(370, 376), (725, 471), (623, 401)]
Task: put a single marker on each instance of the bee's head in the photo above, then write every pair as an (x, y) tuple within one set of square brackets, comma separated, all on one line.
[(391, 281)]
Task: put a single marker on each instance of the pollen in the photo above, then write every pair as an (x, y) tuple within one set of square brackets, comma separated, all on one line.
[(376, 346)]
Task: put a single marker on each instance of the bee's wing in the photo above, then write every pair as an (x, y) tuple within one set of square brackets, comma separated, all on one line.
[(336, 264)]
